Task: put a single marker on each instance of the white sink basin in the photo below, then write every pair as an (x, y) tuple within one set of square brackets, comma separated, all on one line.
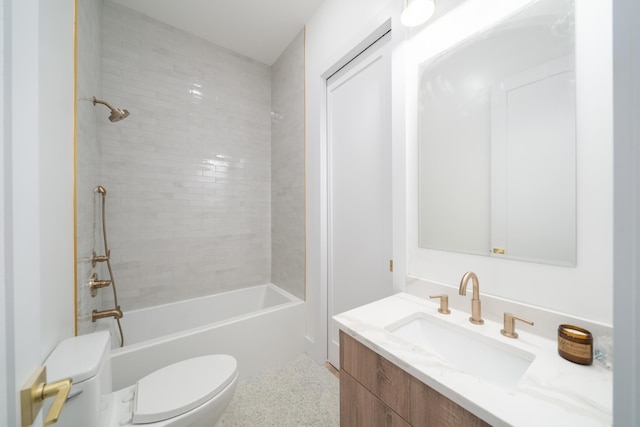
[(464, 350)]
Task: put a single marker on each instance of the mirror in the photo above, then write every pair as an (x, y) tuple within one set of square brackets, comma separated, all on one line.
[(497, 140)]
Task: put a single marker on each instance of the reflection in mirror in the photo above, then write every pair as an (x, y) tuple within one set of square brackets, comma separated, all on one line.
[(497, 142)]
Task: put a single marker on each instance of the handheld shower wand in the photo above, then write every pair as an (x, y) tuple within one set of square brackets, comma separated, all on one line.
[(116, 312)]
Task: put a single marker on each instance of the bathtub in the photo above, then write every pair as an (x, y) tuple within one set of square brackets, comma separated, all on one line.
[(261, 326)]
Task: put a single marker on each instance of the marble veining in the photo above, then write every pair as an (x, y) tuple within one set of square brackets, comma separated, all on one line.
[(552, 392)]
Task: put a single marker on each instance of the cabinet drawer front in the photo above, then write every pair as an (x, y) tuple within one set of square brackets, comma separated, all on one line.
[(430, 408), (382, 378), (360, 408)]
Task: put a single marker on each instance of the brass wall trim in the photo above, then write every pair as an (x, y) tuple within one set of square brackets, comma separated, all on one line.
[(75, 169)]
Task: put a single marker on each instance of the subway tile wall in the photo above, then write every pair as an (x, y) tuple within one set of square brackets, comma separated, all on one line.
[(188, 173), (287, 169), (88, 172)]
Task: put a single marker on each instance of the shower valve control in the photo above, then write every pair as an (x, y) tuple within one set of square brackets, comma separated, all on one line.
[(96, 284)]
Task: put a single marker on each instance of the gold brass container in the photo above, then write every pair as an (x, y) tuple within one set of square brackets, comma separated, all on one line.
[(575, 344)]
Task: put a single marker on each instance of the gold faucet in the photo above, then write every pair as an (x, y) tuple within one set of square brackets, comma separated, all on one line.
[(476, 317), (115, 313), (509, 329), (444, 303)]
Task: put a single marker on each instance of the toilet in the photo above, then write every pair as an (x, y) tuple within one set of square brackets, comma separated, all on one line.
[(193, 392)]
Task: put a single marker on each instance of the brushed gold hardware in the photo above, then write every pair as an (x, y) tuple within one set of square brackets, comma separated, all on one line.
[(391, 265), (30, 403), (115, 313), (96, 284), (35, 391), (499, 251), (476, 316), (444, 303), (510, 325), (59, 389), (96, 259)]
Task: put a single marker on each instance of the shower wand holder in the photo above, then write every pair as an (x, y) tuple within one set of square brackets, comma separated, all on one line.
[(96, 259)]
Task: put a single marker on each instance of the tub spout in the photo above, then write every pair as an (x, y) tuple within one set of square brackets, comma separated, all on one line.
[(116, 313)]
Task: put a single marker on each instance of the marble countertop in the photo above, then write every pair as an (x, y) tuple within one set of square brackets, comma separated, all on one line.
[(552, 392)]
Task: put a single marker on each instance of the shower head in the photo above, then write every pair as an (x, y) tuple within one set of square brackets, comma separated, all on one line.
[(117, 114), (100, 190)]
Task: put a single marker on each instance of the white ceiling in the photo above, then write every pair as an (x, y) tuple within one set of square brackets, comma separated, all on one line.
[(259, 29)]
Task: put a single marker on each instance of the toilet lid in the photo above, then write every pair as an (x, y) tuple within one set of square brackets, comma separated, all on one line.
[(181, 387)]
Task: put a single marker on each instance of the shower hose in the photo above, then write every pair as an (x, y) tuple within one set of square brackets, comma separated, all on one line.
[(107, 252)]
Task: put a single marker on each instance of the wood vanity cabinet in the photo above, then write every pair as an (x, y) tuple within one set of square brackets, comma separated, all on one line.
[(375, 392)]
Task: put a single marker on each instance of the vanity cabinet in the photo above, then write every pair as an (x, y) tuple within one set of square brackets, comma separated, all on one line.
[(375, 392)]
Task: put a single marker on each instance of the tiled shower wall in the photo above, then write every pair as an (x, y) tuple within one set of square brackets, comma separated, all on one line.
[(287, 169), (189, 172), (88, 173)]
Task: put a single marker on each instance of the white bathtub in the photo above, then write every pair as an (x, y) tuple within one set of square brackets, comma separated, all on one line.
[(260, 326)]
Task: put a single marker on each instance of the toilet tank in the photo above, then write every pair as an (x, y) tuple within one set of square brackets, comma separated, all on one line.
[(86, 360)]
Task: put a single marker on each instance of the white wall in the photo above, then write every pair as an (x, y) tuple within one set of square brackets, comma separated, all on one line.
[(22, 196), (55, 174), (37, 171), (334, 33)]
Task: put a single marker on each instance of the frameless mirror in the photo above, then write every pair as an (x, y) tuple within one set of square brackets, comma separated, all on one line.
[(497, 140)]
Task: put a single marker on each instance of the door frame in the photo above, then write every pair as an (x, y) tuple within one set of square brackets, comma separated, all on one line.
[(352, 53), (380, 48)]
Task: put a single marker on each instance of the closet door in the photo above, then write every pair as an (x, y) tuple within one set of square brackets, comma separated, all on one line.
[(359, 184)]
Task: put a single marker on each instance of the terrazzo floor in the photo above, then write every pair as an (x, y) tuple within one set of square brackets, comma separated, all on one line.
[(299, 393)]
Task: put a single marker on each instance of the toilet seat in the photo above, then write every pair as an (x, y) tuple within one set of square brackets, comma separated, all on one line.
[(181, 387)]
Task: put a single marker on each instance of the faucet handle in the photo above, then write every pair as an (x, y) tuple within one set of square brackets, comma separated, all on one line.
[(510, 325), (96, 284), (444, 303)]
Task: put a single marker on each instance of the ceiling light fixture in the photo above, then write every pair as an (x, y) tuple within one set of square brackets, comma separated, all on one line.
[(417, 12)]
